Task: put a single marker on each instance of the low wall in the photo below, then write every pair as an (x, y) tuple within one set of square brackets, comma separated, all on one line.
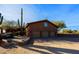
[(68, 35)]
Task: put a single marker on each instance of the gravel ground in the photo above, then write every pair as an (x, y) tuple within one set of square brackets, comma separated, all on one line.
[(52, 47)]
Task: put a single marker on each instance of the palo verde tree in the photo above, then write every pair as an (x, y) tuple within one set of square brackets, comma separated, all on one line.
[(9, 24), (60, 24), (67, 31)]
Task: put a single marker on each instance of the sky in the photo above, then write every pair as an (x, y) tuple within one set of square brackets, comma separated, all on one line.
[(69, 13)]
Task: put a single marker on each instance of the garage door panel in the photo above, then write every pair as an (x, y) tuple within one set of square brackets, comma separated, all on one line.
[(45, 34), (52, 34), (36, 34)]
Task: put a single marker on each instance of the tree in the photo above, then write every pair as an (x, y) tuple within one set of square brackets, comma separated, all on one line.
[(9, 24), (77, 32), (74, 31), (67, 31), (60, 24)]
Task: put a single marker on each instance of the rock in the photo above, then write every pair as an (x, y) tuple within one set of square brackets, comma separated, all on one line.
[(29, 42)]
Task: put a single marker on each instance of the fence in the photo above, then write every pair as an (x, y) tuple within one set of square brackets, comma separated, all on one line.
[(68, 35)]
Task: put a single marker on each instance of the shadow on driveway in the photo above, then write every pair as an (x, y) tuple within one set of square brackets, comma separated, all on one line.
[(52, 50)]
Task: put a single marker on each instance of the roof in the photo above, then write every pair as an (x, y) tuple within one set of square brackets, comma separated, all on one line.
[(41, 21)]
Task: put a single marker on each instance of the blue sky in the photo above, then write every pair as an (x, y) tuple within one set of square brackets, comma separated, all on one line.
[(69, 13)]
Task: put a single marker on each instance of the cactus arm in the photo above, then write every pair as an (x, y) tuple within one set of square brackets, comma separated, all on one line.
[(0, 15), (1, 19), (18, 23)]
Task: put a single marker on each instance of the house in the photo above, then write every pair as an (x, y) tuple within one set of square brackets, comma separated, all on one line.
[(41, 29)]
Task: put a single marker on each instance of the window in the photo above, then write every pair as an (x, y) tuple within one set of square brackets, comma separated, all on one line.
[(45, 24)]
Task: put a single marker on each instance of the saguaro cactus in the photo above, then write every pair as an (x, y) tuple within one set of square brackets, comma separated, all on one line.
[(21, 17), (1, 18), (20, 23)]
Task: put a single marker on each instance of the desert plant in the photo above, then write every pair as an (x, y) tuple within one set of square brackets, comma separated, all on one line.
[(9, 24), (21, 24), (21, 17), (1, 18), (67, 31), (60, 24), (18, 23)]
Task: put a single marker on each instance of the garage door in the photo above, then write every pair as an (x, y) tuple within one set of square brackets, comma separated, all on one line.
[(52, 34), (36, 34), (45, 34)]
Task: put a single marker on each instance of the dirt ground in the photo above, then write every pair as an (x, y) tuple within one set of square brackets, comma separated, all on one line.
[(52, 47)]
